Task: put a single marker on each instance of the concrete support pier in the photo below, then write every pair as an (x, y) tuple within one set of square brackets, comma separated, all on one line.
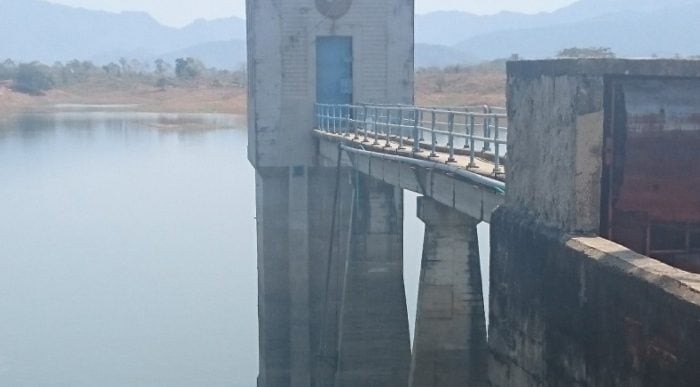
[(449, 347), (273, 276), (299, 294), (374, 339)]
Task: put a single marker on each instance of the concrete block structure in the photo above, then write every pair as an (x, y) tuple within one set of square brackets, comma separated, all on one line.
[(330, 51), (374, 347), (592, 260), (450, 340), (316, 319), (595, 237)]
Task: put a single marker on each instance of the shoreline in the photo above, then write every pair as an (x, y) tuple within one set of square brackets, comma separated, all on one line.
[(432, 88), (139, 98)]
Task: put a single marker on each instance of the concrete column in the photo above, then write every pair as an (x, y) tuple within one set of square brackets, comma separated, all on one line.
[(327, 265), (374, 344), (299, 276), (299, 294), (449, 347), (272, 191)]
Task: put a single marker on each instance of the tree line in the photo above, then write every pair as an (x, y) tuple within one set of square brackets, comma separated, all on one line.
[(36, 78)]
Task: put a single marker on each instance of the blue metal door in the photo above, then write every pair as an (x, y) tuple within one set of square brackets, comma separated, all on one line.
[(334, 71)]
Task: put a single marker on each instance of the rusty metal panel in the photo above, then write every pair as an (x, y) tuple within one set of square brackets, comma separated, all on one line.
[(654, 186)]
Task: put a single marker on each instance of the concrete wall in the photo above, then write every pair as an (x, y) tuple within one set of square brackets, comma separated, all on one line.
[(556, 134), (568, 308), (282, 68), (569, 311), (555, 141), (374, 347), (298, 307), (449, 346)]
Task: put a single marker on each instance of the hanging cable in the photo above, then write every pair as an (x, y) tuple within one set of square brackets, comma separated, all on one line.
[(322, 355)]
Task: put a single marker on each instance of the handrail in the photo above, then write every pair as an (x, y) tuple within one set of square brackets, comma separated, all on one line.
[(423, 127)]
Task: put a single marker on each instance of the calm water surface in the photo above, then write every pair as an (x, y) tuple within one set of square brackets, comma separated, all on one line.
[(127, 253)]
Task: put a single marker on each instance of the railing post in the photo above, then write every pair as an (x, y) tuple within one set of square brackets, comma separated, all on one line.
[(341, 119), (334, 116), (401, 147), (416, 135), (365, 110), (487, 128), (422, 125), (324, 120), (354, 117), (472, 156), (466, 127), (497, 159), (451, 139), (433, 136), (348, 123), (387, 128), (376, 126), (327, 116)]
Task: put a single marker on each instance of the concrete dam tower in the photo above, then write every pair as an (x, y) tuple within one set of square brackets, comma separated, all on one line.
[(332, 307)]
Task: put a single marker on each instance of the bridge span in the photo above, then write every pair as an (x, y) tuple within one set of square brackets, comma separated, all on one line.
[(441, 153), (589, 179)]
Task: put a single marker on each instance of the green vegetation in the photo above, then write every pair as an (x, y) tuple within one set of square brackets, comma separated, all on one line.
[(188, 68), (32, 78), (36, 78)]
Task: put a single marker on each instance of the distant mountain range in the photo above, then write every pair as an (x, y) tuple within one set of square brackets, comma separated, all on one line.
[(628, 27), (38, 30), (47, 32)]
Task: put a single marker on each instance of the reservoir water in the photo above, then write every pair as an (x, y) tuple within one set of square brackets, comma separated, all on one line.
[(128, 253)]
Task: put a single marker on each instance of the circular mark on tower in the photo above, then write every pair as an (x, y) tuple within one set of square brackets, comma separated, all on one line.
[(333, 8)]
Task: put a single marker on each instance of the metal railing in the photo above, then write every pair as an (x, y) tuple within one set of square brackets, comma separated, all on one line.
[(471, 131)]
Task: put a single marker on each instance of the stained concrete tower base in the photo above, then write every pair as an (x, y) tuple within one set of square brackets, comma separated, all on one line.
[(299, 294), (450, 338), (374, 337)]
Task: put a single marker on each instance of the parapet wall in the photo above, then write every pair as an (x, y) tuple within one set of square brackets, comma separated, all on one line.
[(555, 148), (558, 111), (571, 311)]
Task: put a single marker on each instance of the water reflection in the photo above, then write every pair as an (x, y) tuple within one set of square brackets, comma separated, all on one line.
[(127, 251)]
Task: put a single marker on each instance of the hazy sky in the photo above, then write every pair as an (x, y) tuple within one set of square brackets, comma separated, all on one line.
[(181, 12)]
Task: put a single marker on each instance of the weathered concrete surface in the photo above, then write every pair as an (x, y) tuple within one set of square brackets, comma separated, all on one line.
[(556, 112), (298, 308), (568, 308), (374, 337), (326, 292), (282, 68), (569, 311), (445, 188), (299, 277), (533, 69), (449, 347), (555, 148), (273, 279), (295, 200)]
